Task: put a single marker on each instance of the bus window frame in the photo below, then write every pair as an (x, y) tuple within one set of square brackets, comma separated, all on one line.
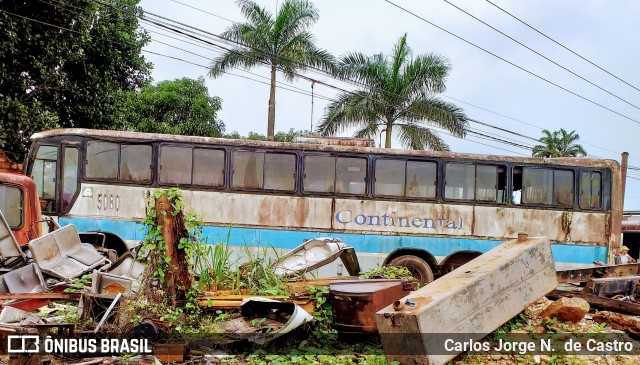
[(265, 151), (406, 160), (553, 188), (63, 146), (475, 182), (22, 208), (58, 184), (85, 160), (159, 164), (601, 200), (368, 183), (224, 167)]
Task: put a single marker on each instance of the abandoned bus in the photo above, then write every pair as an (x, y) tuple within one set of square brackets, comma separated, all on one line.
[(429, 211)]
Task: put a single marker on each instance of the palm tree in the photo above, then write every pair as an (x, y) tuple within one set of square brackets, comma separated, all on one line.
[(558, 144), (399, 92), (281, 42)]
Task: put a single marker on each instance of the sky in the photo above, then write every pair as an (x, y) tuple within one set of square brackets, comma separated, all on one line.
[(500, 89)]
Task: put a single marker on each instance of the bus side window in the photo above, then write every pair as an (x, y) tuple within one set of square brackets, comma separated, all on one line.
[(208, 167), (548, 187), (563, 188), (319, 173), (135, 162), (389, 177), (516, 189), (351, 173), (44, 175), (460, 181), (280, 171), (175, 165), (102, 160), (590, 190), (70, 176), (11, 200), (248, 169), (421, 179)]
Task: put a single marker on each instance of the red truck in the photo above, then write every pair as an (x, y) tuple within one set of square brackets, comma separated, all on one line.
[(20, 205)]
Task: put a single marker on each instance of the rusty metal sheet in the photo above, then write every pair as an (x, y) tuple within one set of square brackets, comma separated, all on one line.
[(583, 275), (607, 287), (355, 302)]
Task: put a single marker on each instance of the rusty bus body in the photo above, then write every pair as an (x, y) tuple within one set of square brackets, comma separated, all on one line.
[(438, 209), (20, 206)]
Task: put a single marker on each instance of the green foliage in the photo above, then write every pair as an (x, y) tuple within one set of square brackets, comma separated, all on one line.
[(281, 41), (279, 137), (181, 106), (398, 96), (257, 274), (66, 64), (78, 285), (388, 272), (558, 144)]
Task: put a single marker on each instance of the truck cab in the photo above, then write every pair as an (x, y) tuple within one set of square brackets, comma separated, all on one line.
[(20, 205)]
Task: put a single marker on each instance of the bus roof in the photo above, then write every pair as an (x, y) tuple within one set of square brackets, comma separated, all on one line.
[(113, 135)]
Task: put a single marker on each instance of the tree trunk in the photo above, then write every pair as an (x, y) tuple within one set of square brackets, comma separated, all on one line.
[(387, 141), (272, 105), (177, 279)]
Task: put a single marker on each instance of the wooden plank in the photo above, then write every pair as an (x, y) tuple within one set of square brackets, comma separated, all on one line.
[(18, 296), (468, 303), (599, 302)]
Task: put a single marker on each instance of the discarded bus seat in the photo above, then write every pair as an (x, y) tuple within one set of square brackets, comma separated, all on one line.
[(11, 255), (27, 279), (61, 254), (123, 276)]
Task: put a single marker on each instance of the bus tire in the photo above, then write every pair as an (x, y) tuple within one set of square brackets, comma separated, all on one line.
[(418, 267)]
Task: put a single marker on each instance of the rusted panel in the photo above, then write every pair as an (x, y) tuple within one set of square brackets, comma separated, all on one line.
[(578, 227), (471, 301), (261, 210), (583, 275), (630, 226), (607, 287), (355, 302)]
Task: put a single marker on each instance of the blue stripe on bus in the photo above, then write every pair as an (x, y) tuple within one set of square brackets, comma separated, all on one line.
[(370, 243)]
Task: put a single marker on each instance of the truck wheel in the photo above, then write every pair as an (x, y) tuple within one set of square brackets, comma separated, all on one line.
[(418, 267)]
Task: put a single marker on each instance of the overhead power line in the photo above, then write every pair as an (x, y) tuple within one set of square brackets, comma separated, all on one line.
[(513, 64), (541, 55), (562, 45)]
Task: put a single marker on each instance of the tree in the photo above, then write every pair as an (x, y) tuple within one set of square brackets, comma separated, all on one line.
[(399, 92), (558, 144), (281, 42), (181, 106), (289, 136), (66, 64)]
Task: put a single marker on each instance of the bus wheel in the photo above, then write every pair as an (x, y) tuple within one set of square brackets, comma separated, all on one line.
[(418, 267)]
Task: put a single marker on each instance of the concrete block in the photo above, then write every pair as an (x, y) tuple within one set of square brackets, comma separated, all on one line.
[(468, 303)]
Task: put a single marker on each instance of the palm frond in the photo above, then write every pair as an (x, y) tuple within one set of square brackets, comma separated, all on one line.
[(434, 111), (253, 12), (419, 138)]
